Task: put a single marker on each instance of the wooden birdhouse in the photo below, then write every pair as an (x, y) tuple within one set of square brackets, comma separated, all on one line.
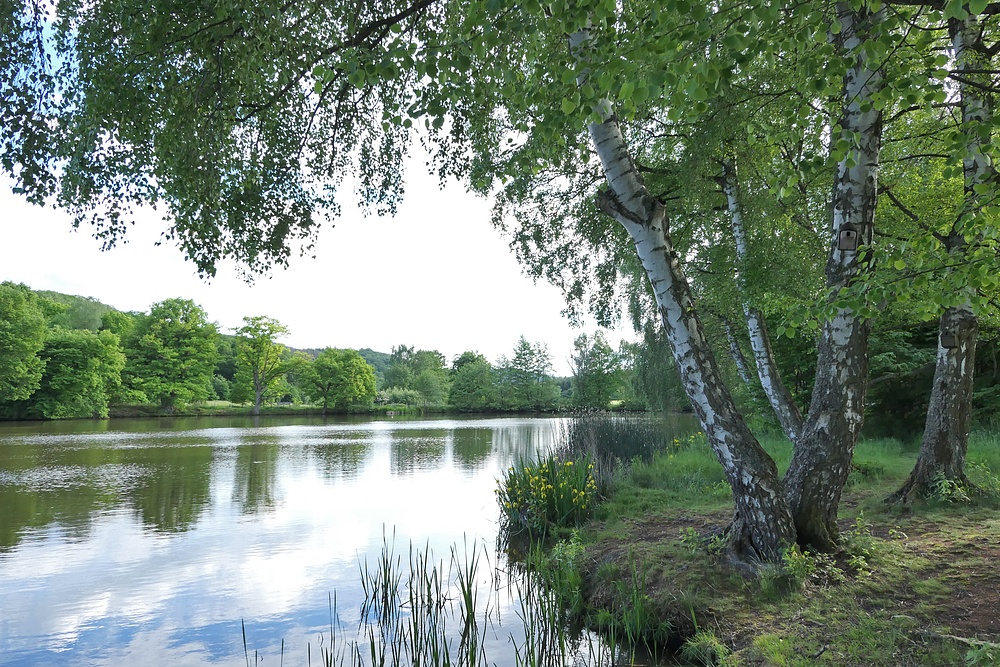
[(949, 340), (847, 237)]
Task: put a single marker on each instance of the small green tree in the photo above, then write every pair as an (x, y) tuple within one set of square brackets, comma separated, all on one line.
[(259, 358), (22, 336), (597, 371), (473, 384), (526, 381), (340, 378)]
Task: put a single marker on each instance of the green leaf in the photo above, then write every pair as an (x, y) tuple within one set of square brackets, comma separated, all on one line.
[(568, 105)]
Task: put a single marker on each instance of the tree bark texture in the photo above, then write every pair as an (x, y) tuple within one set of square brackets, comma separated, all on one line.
[(823, 452), (949, 414), (762, 527), (737, 353), (777, 393)]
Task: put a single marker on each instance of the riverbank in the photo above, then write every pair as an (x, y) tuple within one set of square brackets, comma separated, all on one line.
[(913, 586), (227, 409)]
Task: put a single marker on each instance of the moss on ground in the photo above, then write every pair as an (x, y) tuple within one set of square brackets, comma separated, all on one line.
[(915, 585)]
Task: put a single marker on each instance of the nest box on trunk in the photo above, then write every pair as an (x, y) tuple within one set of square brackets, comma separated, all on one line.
[(847, 238)]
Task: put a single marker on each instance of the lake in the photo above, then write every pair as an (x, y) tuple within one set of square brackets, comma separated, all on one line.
[(134, 541)]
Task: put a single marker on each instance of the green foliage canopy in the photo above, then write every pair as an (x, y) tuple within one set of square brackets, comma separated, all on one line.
[(340, 379), (260, 363), (171, 353), (473, 384), (83, 374), (22, 336), (597, 371)]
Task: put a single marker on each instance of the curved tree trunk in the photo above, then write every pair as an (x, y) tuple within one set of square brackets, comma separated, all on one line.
[(823, 452), (767, 370), (762, 527)]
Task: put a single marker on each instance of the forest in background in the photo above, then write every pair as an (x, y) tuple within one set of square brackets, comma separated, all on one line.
[(65, 356)]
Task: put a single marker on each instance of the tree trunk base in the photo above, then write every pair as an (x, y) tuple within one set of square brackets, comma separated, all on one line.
[(922, 485)]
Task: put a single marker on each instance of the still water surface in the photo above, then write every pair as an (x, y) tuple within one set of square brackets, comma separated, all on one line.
[(132, 542)]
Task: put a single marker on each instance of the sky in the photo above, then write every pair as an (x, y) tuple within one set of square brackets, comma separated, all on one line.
[(436, 276)]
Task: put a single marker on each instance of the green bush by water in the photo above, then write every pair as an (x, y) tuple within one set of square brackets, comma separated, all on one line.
[(552, 493)]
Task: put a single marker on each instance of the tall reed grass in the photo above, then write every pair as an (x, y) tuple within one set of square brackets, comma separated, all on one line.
[(430, 612)]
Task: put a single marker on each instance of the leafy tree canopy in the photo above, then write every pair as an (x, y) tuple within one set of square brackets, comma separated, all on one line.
[(82, 374), (341, 378), (171, 353), (23, 323), (260, 363)]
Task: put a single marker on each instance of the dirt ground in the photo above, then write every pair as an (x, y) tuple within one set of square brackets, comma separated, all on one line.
[(940, 582)]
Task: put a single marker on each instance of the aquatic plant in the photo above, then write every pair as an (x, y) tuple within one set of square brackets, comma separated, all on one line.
[(536, 497)]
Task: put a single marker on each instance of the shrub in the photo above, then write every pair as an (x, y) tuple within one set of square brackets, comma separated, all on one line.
[(553, 493)]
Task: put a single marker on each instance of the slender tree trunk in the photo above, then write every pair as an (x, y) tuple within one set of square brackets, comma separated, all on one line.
[(949, 414), (258, 392), (737, 353), (825, 447), (767, 370), (762, 526)]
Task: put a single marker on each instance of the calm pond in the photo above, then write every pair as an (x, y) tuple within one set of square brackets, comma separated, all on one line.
[(134, 541)]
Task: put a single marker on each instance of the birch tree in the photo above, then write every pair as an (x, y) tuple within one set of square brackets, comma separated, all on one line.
[(941, 459), (239, 122)]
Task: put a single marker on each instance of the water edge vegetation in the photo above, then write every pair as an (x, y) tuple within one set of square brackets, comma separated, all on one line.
[(642, 577)]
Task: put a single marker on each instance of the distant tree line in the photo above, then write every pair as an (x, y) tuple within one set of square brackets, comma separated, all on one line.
[(64, 356), (70, 357)]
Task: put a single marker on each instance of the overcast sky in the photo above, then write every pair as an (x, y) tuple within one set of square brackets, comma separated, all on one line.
[(437, 276)]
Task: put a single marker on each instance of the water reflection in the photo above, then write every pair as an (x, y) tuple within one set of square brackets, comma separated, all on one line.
[(340, 459), (175, 487), (472, 446), (417, 449), (256, 475), (121, 543)]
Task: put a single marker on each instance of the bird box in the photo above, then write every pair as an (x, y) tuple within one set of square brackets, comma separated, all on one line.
[(949, 340), (847, 237)]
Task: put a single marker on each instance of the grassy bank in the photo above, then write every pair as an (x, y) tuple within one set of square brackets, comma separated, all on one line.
[(914, 585)]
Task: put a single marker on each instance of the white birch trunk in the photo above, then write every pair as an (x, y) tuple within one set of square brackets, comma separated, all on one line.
[(737, 354), (777, 393), (762, 526), (823, 452)]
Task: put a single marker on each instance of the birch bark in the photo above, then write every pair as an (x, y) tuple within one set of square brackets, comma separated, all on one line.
[(736, 353), (949, 414), (762, 526), (767, 370), (823, 452)]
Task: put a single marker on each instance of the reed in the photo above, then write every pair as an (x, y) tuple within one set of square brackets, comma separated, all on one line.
[(444, 611)]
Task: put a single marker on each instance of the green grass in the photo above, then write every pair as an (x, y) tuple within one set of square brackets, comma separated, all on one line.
[(888, 599)]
